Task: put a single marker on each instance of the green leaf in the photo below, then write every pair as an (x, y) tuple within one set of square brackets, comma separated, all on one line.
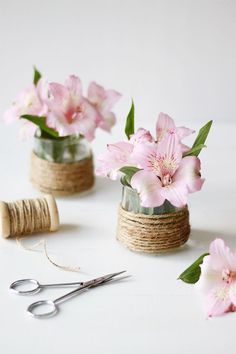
[(41, 123), (192, 274), (194, 150), (128, 171), (37, 76), (129, 127), (201, 138)]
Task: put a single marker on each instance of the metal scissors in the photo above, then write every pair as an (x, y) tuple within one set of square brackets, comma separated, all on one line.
[(48, 308)]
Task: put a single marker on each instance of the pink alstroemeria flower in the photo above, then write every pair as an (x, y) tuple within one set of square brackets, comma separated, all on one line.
[(118, 155), (166, 124), (218, 279), (103, 100), (71, 113), (164, 174), (30, 101), (141, 136)]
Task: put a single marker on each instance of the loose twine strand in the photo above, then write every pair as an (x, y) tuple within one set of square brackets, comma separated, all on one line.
[(43, 242), (62, 178), (153, 233), (32, 216)]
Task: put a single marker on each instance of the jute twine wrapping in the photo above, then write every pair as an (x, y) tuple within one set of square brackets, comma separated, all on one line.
[(61, 178), (29, 216), (153, 233)]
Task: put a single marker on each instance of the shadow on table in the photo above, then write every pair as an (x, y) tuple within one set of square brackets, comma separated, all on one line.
[(69, 227), (199, 239), (202, 238)]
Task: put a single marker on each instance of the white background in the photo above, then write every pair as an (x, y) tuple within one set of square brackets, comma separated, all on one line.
[(176, 56), (171, 56)]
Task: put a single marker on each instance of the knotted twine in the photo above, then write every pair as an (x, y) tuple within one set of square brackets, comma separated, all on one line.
[(153, 233), (61, 178)]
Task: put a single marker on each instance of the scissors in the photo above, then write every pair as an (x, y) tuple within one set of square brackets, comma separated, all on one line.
[(48, 308)]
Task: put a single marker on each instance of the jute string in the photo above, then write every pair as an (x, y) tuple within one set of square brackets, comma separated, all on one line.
[(29, 216), (153, 233), (35, 248), (62, 178)]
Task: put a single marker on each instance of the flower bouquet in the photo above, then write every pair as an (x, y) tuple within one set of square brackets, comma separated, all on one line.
[(157, 174), (62, 122)]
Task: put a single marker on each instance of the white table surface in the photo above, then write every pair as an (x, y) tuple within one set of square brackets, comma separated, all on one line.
[(150, 313)]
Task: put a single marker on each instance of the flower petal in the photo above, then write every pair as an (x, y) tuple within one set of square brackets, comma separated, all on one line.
[(221, 256), (143, 153), (58, 92), (149, 188), (73, 84), (122, 148), (103, 99), (107, 121), (42, 89), (218, 301), (12, 114), (232, 292), (117, 155), (176, 193), (209, 277), (141, 136), (169, 154), (189, 173), (164, 123), (111, 99), (27, 130), (182, 132)]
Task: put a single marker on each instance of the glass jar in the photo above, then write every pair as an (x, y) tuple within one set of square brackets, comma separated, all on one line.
[(61, 150), (130, 201)]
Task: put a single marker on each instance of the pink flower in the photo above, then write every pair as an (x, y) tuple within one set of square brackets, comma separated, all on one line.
[(30, 101), (218, 279), (164, 174), (141, 136), (71, 113), (166, 124), (118, 155), (103, 100)]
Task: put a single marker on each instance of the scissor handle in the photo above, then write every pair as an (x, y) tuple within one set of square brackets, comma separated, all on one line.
[(42, 309), (15, 287)]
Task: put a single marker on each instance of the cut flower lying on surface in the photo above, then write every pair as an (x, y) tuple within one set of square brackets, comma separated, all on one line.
[(215, 276), (58, 110), (158, 167)]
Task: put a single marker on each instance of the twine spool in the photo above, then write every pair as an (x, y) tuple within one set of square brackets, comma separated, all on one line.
[(28, 216), (153, 233), (61, 178)]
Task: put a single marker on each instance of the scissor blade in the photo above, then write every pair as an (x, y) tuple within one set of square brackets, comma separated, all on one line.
[(112, 275), (100, 280), (111, 280), (87, 285)]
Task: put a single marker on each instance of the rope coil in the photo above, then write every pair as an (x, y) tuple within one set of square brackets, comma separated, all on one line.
[(28, 216), (153, 233), (61, 178)]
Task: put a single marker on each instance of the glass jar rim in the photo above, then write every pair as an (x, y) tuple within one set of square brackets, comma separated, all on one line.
[(73, 137)]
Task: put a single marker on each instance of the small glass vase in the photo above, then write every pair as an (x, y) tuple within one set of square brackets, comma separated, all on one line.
[(64, 150), (130, 201), (61, 166), (151, 230)]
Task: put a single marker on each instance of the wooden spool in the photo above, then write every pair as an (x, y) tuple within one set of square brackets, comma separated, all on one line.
[(5, 217)]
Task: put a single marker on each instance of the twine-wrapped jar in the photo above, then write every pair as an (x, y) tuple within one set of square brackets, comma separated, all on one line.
[(61, 166), (151, 230)]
